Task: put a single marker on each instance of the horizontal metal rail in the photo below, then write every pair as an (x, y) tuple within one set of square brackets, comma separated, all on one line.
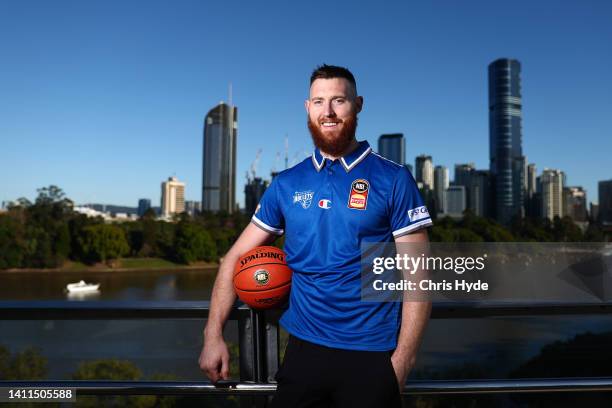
[(75, 310), (433, 387), (258, 339)]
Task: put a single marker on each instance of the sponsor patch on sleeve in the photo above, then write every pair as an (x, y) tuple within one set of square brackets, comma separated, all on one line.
[(418, 213)]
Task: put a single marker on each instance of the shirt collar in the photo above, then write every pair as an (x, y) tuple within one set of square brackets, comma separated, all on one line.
[(348, 161)]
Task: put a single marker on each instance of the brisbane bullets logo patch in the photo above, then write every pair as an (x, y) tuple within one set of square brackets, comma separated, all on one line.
[(358, 199), (304, 198)]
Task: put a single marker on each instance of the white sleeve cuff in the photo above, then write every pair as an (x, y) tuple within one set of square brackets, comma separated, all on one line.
[(266, 227), (413, 227)]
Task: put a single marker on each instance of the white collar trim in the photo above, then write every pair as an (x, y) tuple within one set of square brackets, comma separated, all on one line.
[(348, 167), (317, 165)]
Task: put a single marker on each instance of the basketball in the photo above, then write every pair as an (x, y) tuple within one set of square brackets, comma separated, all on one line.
[(262, 278)]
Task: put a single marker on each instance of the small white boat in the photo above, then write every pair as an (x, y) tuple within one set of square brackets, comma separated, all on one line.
[(82, 286)]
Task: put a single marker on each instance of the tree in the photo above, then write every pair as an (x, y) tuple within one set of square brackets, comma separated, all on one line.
[(5, 356), (565, 230), (29, 364), (193, 243), (12, 245), (102, 242), (111, 369)]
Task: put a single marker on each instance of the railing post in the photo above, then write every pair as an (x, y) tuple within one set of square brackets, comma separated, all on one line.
[(245, 345), (272, 345), (251, 332)]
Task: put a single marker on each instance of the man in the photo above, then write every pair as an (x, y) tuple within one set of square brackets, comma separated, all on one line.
[(342, 352)]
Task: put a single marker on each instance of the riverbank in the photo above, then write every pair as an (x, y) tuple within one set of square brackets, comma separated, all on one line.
[(120, 265)]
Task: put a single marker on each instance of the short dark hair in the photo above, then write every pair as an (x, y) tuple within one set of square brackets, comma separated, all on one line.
[(332, 71)]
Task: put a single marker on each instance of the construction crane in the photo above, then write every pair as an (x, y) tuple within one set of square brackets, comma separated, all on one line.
[(255, 163), (286, 151)]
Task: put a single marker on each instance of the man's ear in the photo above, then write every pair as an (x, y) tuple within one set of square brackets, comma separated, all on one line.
[(307, 104), (359, 103)]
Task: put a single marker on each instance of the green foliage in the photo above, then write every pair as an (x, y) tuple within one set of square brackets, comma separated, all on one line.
[(47, 232), (193, 243), (111, 369), (28, 364), (12, 245), (107, 369), (5, 362), (101, 242), (234, 350)]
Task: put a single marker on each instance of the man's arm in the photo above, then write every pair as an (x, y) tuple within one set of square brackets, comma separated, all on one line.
[(214, 358), (415, 315)]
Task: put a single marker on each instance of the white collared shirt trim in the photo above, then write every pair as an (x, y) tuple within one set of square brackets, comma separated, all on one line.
[(412, 227), (357, 160), (317, 165), (266, 227)]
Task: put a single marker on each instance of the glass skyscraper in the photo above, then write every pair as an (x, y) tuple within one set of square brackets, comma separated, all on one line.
[(507, 164), (605, 202), (219, 159), (393, 147)]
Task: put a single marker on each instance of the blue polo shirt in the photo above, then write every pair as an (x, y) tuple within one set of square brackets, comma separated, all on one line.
[(327, 209)]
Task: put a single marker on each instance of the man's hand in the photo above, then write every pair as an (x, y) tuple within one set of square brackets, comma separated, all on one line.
[(402, 367), (214, 359)]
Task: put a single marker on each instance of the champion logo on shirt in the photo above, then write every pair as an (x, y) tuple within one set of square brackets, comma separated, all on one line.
[(325, 204), (304, 198)]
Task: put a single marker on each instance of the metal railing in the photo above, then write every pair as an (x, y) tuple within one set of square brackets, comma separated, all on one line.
[(259, 348)]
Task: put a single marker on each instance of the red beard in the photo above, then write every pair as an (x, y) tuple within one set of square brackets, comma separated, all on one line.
[(334, 143)]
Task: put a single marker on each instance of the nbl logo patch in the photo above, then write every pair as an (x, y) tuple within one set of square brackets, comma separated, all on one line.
[(358, 199), (261, 276)]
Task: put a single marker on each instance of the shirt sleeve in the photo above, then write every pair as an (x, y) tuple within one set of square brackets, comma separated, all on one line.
[(268, 215), (408, 210)]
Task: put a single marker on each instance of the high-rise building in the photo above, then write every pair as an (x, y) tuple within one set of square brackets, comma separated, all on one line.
[(455, 201), (479, 193), (550, 187), (507, 164), (253, 191), (143, 205), (463, 173), (219, 159), (193, 208), (594, 212), (173, 197), (393, 147), (477, 188), (605, 202), (425, 171), (575, 203), (531, 180), (441, 183)]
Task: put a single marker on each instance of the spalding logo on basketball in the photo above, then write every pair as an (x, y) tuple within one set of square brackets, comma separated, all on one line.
[(262, 278)]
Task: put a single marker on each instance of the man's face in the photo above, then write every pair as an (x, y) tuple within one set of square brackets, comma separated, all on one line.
[(332, 114)]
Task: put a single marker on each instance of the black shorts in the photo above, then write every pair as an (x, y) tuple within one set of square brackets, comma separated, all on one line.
[(317, 376)]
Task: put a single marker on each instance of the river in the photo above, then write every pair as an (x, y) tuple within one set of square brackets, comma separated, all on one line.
[(489, 347)]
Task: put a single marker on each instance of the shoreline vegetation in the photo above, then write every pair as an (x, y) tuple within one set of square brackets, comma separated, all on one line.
[(48, 235), (120, 265)]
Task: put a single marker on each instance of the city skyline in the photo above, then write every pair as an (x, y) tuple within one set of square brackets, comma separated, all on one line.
[(83, 106)]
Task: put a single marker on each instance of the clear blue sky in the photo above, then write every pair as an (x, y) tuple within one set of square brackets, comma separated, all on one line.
[(106, 98)]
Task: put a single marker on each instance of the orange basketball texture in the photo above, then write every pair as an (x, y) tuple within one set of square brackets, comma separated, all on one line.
[(262, 278)]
